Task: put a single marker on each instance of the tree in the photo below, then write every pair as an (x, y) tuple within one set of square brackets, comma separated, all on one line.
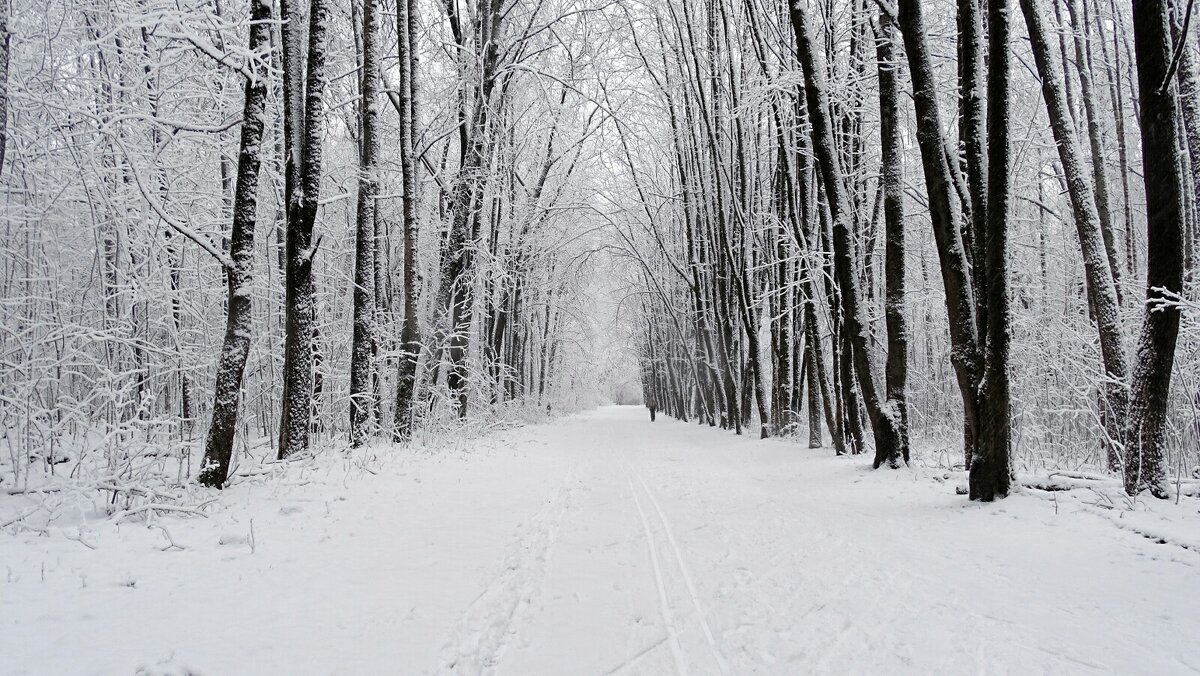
[(304, 81), (891, 437), (362, 394), (990, 466), (896, 368), (239, 273), (1101, 286), (1151, 380), (405, 103), (945, 216)]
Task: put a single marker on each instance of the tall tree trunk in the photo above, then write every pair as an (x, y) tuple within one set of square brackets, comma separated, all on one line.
[(972, 134), (990, 468), (362, 395), (218, 449), (410, 341), (1101, 287), (886, 425), (304, 121), (1151, 382), (944, 214), (1096, 141), (896, 367), (1189, 100)]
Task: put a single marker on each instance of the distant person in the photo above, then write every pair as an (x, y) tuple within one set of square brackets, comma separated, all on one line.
[(653, 406)]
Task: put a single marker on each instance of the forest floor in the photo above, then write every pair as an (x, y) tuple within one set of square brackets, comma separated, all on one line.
[(603, 543)]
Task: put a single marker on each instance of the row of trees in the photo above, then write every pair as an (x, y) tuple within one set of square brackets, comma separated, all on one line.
[(787, 157), (403, 212), (380, 199)]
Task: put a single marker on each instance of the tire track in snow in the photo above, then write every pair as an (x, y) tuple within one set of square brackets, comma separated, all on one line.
[(663, 605), (490, 623), (687, 578)]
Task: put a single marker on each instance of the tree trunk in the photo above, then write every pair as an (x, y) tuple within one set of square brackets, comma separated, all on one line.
[(972, 134), (896, 367), (410, 341), (1151, 382), (218, 449), (1101, 287), (304, 132), (990, 468), (888, 430), (362, 394), (944, 214), (1189, 99)]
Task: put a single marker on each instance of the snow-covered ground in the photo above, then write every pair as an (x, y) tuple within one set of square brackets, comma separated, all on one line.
[(601, 544)]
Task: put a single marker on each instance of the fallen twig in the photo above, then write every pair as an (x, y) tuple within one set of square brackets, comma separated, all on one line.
[(173, 544), (157, 507)]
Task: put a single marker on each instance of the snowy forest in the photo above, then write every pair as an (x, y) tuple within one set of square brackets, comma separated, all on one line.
[(255, 249)]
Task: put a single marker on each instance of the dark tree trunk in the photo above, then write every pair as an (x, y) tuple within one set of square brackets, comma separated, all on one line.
[(410, 341), (1151, 382), (990, 468), (885, 423), (1189, 100), (944, 214), (972, 134), (304, 131), (896, 368), (1101, 287), (362, 394), (218, 449)]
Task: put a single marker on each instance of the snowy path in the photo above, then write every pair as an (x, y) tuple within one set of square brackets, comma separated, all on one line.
[(606, 544)]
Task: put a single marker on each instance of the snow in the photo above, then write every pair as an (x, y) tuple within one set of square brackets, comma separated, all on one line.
[(604, 543)]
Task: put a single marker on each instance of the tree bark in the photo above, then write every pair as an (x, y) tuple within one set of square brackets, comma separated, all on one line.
[(1101, 287), (972, 134), (304, 131), (362, 395), (889, 433), (944, 214), (1151, 382), (991, 473), (410, 341), (896, 367), (218, 449)]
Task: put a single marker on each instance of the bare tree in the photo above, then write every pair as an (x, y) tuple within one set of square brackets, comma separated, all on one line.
[(304, 82), (890, 435), (1101, 286), (218, 450), (991, 471), (405, 102), (363, 403), (1151, 380)]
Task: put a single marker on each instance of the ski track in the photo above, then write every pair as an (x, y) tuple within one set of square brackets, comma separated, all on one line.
[(664, 605), (604, 544), (683, 569), (494, 619)]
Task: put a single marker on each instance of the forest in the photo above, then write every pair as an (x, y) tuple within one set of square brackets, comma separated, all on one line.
[(869, 223), (682, 312)]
